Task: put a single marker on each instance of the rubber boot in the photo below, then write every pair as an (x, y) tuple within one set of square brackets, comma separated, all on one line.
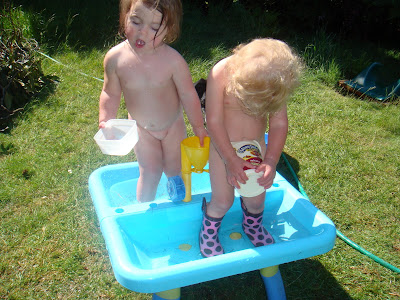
[(209, 241), (253, 228)]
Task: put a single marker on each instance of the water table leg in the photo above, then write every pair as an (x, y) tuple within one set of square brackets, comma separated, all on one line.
[(174, 294), (273, 283)]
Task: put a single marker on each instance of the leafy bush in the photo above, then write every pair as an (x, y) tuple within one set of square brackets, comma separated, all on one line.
[(21, 74)]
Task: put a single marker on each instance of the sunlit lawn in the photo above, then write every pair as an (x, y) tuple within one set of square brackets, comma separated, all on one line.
[(344, 150)]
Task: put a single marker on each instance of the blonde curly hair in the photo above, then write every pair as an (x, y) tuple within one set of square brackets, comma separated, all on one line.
[(262, 75), (171, 11)]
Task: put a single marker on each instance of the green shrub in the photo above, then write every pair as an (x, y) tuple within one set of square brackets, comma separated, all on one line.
[(21, 75)]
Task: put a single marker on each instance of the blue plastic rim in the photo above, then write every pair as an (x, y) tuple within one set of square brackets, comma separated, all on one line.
[(153, 247)]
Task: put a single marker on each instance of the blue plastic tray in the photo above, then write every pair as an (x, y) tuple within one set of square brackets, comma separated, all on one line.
[(148, 243)]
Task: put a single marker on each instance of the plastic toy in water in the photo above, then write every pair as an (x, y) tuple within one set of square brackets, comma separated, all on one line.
[(374, 83), (192, 154), (154, 247), (176, 188)]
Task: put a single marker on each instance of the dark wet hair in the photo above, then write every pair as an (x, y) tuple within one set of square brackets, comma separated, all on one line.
[(171, 11)]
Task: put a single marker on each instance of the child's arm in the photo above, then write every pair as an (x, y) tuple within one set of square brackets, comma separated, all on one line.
[(110, 96), (216, 128), (189, 98), (277, 133)]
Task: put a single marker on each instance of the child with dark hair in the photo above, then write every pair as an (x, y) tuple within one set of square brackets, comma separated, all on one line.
[(156, 84)]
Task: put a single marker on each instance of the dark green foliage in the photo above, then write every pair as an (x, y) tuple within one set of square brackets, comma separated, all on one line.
[(79, 24), (21, 74), (361, 19), (92, 23), (205, 5), (6, 148)]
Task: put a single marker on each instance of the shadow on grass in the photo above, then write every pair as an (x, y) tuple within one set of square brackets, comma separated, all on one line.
[(49, 87), (78, 25), (309, 279), (332, 59), (299, 281), (284, 169), (222, 28)]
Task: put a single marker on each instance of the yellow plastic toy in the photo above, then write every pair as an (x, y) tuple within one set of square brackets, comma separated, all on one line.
[(192, 154)]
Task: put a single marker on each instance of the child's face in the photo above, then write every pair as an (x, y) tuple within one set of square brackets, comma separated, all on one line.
[(143, 27)]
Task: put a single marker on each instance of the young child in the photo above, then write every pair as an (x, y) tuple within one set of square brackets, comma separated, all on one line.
[(156, 82), (246, 93)]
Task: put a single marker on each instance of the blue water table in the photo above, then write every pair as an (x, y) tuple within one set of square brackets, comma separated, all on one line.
[(154, 246)]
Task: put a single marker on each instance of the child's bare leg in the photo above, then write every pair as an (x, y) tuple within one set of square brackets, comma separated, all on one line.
[(148, 152), (253, 209), (255, 204), (222, 192), (221, 202), (171, 148)]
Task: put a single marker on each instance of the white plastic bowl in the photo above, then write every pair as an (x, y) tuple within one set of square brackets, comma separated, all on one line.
[(118, 137)]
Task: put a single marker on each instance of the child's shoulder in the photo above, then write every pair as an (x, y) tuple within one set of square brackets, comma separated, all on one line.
[(171, 52), (172, 56), (220, 67), (222, 63), (112, 57), (117, 49)]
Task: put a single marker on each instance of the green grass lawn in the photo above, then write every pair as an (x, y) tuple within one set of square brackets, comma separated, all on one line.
[(344, 150)]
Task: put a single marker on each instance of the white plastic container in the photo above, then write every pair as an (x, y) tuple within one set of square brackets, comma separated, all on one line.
[(251, 152), (118, 137)]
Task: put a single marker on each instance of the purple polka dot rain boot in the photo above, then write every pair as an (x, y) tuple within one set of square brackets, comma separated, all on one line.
[(253, 228), (209, 241)]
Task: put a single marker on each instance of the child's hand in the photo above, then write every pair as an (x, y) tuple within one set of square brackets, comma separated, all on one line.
[(102, 124), (107, 131), (268, 169), (235, 171), (201, 132)]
